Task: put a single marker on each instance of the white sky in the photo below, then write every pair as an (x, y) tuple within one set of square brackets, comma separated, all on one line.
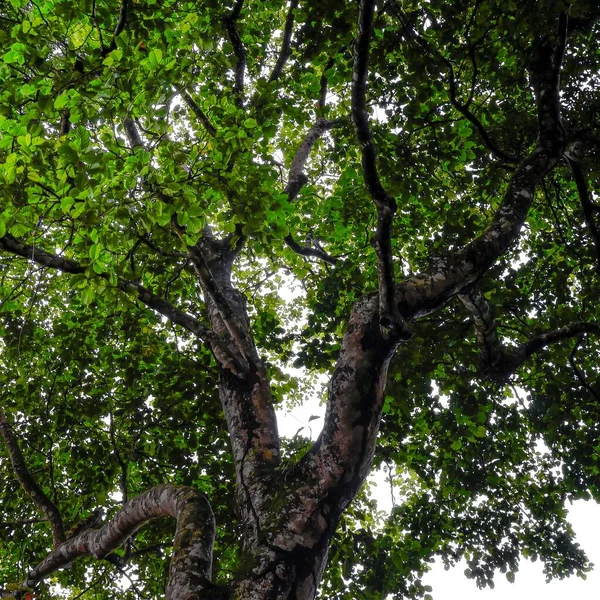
[(530, 582)]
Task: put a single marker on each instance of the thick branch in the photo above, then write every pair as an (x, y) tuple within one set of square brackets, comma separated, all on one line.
[(423, 293), (191, 561), (341, 457), (286, 48), (390, 317), (485, 326), (297, 178), (237, 329), (132, 133), (28, 483)]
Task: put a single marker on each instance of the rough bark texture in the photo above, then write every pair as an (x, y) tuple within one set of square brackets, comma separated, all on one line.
[(289, 515), (191, 562)]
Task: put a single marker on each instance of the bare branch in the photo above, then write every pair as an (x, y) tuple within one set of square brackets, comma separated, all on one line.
[(28, 483), (297, 178), (191, 561), (230, 318), (390, 318), (286, 48)]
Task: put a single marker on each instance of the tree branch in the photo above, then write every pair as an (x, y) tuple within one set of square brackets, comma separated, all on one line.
[(420, 294), (390, 317), (463, 109), (589, 208), (286, 48), (539, 342), (578, 372), (229, 317), (485, 326), (323, 85), (28, 483), (191, 561), (151, 300), (297, 178), (119, 27), (238, 47), (308, 251), (132, 133), (200, 114)]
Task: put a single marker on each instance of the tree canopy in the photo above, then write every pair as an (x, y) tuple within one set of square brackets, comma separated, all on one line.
[(423, 174)]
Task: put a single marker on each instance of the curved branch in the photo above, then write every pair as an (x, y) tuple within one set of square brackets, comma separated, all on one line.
[(509, 359), (132, 133), (539, 342), (28, 483), (297, 178), (191, 561), (485, 326), (390, 317), (307, 251)]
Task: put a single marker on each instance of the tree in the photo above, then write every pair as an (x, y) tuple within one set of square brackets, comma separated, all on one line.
[(423, 170)]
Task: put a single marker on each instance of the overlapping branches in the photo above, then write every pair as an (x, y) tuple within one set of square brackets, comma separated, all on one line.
[(591, 211), (462, 108), (297, 179), (457, 270)]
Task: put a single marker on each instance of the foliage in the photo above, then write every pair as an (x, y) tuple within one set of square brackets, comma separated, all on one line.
[(108, 394)]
